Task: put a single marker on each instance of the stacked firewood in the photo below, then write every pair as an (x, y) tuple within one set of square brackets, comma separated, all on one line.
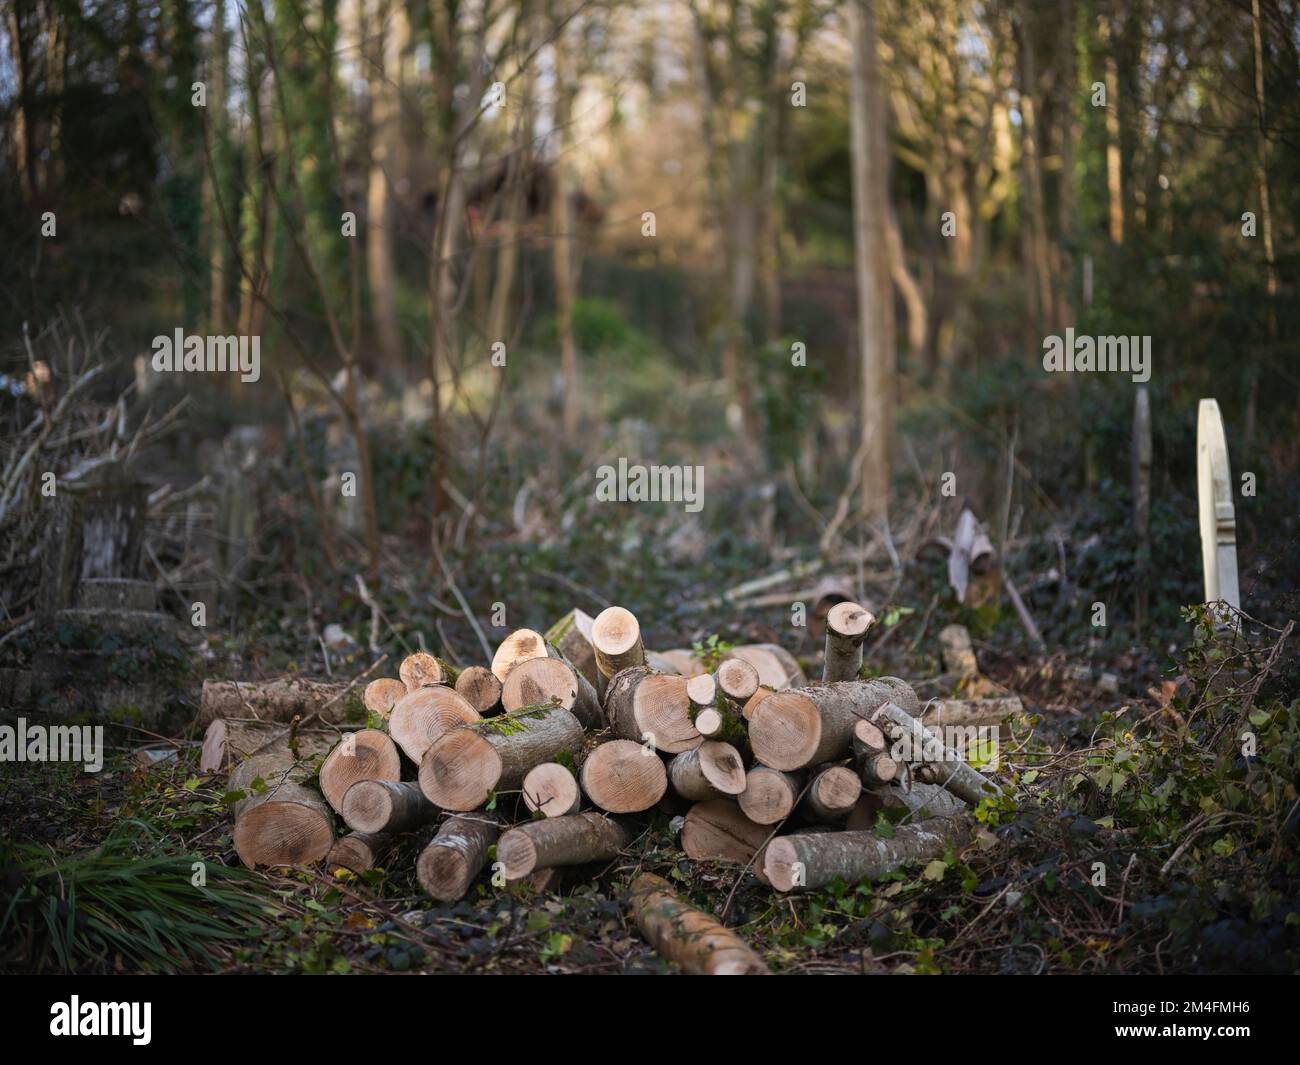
[(549, 753)]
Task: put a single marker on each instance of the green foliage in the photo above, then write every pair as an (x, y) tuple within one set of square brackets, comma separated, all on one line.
[(711, 651)]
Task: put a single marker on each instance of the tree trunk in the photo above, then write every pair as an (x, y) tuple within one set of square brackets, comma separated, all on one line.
[(692, 939), (421, 716), (708, 771), (562, 226), (808, 726), (623, 777), (282, 820), (384, 50), (560, 841), (551, 790), (456, 855), (870, 244), (813, 860), (463, 767), (386, 806), (365, 755), (846, 628), (1114, 152)]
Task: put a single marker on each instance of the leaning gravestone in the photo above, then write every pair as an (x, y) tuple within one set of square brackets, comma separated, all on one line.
[(1218, 515)]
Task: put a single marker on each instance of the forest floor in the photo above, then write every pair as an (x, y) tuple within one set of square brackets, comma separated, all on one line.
[(1135, 836)]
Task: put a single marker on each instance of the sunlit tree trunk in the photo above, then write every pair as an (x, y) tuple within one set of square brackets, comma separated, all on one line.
[(562, 233), (386, 40)]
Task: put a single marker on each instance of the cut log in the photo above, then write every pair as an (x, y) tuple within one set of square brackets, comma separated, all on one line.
[(381, 695), (559, 841), (643, 706), (386, 806), (552, 681), (422, 670), (422, 715), (662, 664), (752, 702), (776, 666), (278, 700), (571, 636), (364, 755), (807, 726), (709, 722), (679, 660), (958, 652), (736, 679), (708, 771), (479, 687), (456, 855), (623, 777), (358, 851), (813, 860), (701, 692), (228, 741), (719, 831), (877, 769), (923, 748), (616, 638), (963, 712), (519, 646), (920, 802), (867, 739), (682, 934), (280, 820), (464, 766), (770, 795), (832, 794), (551, 790), (846, 628)]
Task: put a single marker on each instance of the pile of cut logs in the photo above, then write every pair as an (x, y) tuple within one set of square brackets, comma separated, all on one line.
[(550, 752)]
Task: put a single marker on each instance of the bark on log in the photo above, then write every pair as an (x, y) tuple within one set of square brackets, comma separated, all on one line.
[(693, 939), (777, 668), (813, 860), (770, 795), (708, 771), (640, 705), (846, 628), (228, 741), (616, 638), (719, 831), (421, 716), (422, 670), (519, 646), (367, 754), (551, 789), (917, 745), (921, 801), (552, 681), (559, 841), (976, 712), (736, 679), (807, 726), (381, 696), (877, 769), (479, 687), (623, 777), (386, 806), (358, 851), (286, 822), (464, 766), (276, 700), (571, 636), (456, 855), (832, 794)]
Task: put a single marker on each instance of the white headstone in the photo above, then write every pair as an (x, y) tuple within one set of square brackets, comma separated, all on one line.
[(1218, 516)]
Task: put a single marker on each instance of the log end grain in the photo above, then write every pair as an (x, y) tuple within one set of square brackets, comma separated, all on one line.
[(624, 777), (551, 790), (381, 696), (785, 730), (460, 770)]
